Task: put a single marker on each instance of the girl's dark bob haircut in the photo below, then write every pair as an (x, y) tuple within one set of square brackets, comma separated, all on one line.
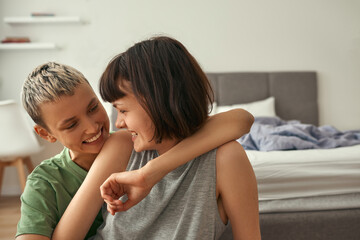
[(168, 83)]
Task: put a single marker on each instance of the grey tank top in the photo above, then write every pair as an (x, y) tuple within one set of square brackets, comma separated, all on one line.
[(182, 205)]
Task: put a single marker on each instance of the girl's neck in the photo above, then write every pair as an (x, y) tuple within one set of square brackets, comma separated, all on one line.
[(166, 145)]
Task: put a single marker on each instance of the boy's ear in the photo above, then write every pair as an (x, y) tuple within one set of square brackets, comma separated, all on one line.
[(43, 133)]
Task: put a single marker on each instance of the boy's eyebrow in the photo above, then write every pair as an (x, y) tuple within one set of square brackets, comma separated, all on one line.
[(66, 121), (92, 101)]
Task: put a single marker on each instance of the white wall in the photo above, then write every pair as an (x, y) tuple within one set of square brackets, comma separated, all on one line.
[(228, 35)]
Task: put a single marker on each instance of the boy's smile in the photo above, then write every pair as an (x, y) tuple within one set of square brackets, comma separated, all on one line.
[(93, 139), (79, 122)]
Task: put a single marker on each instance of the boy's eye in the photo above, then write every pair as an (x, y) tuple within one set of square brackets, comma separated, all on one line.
[(122, 111), (71, 126), (94, 108)]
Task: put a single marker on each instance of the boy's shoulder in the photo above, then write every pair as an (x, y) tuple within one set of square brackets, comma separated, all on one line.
[(50, 164), (57, 175), (59, 168)]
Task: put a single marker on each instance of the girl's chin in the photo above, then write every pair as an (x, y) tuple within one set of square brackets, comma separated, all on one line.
[(139, 148)]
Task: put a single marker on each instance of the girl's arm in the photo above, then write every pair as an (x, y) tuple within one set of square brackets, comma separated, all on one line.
[(237, 191), (81, 212), (218, 130)]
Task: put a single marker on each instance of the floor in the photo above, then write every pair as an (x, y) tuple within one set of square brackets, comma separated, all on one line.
[(9, 216)]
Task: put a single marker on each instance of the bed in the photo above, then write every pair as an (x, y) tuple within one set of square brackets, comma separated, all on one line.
[(303, 194)]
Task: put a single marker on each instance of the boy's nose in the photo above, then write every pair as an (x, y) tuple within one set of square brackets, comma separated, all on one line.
[(92, 126)]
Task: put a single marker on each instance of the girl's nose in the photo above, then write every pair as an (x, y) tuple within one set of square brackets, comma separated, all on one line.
[(120, 123)]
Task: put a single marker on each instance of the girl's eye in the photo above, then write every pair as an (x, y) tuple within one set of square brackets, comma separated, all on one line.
[(122, 111)]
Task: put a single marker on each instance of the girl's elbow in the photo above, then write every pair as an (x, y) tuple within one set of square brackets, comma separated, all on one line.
[(251, 120), (247, 120)]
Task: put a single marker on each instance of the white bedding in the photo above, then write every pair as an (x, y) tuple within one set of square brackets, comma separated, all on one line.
[(306, 173)]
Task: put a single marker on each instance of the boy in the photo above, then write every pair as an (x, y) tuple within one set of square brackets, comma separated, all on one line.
[(64, 107)]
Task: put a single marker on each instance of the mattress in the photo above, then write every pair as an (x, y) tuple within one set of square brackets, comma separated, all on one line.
[(306, 204), (306, 173)]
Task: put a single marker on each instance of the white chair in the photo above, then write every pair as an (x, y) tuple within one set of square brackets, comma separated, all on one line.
[(17, 141)]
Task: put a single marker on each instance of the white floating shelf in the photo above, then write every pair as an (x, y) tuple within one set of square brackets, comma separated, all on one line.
[(45, 19), (23, 46)]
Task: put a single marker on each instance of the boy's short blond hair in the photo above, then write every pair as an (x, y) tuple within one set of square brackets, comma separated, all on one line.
[(47, 83)]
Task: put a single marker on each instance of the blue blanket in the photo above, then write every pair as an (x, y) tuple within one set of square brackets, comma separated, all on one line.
[(272, 133)]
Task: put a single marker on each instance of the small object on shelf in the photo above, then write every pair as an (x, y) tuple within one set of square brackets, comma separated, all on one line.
[(42, 19), (16, 40), (42, 14)]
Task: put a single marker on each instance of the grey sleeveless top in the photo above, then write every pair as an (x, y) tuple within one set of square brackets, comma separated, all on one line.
[(182, 205)]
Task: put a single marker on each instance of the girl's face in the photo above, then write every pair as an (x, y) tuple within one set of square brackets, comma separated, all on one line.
[(135, 119)]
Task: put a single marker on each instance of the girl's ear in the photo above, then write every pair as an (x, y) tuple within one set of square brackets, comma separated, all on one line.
[(43, 133)]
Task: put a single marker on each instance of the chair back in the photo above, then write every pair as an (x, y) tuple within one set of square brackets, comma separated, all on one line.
[(17, 136)]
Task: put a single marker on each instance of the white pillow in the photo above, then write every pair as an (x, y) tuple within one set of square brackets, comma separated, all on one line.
[(262, 108), (213, 110)]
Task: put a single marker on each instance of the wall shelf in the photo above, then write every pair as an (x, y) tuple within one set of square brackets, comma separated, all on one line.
[(45, 19), (37, 20), (24, 46)]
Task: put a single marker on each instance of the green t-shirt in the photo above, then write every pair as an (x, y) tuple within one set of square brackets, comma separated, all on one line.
[(49, 190)]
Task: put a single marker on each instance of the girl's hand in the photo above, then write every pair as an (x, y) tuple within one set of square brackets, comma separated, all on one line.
[(132, 183)]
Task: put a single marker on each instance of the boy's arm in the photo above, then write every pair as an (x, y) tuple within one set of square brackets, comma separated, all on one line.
[(31, 237), (81, 212), (39, 207), (85, 205)]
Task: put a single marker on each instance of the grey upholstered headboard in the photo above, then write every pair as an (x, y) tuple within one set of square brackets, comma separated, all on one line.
[(295, 92)]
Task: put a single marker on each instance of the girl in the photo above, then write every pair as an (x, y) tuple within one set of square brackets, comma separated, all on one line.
[(162, 96)]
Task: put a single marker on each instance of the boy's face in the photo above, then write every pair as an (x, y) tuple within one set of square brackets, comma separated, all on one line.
[(79, 121)]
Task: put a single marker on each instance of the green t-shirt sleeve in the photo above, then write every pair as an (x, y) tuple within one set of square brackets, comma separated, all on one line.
[(39, 214)]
